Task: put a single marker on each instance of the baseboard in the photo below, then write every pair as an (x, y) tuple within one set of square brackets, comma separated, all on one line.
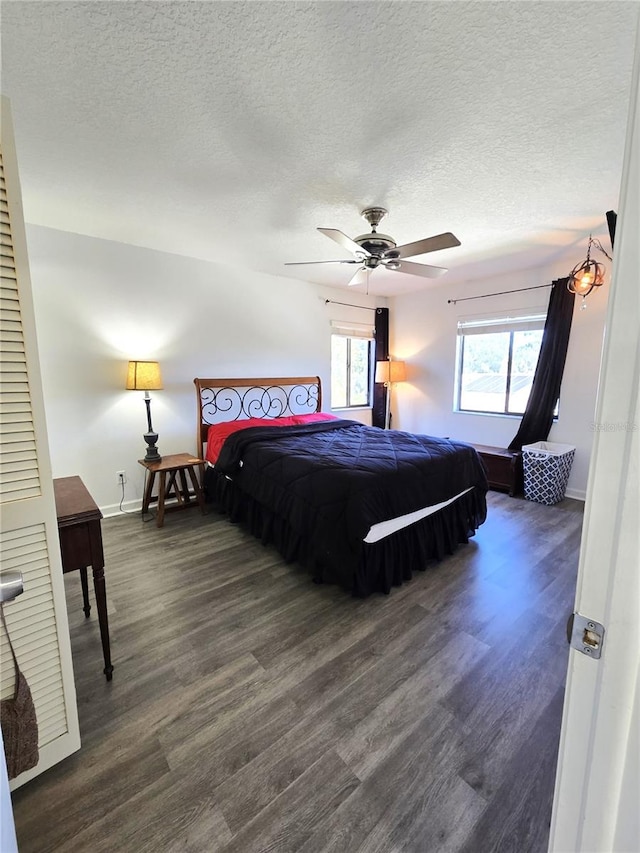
[(576, 494), (131, 507), (115, 509)]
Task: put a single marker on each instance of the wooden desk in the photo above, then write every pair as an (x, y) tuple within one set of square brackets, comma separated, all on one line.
[(81, 546), (177, 467)]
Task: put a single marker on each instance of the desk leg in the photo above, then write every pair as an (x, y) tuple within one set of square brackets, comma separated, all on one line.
[(197, 489), (101, 604), (173, 484), (185, 487), (148, 492), (85, 591), (161, 496)]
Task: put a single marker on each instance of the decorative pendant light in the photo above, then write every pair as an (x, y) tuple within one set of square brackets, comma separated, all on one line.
[(585, 276)]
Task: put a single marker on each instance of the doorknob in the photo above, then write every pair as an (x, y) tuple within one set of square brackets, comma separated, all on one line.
[(10, 585)]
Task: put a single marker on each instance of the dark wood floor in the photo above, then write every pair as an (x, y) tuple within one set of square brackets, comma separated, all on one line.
[(252, 710)]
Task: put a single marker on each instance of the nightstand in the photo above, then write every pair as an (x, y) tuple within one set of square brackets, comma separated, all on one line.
[(178, 467)]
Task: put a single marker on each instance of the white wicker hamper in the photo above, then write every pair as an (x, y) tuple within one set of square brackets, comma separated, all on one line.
[(546, 466)]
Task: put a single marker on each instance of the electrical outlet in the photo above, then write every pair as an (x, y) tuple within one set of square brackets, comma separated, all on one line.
[(122, 477)]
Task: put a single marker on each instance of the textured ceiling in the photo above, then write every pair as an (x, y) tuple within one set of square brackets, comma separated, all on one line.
[(230, 130)]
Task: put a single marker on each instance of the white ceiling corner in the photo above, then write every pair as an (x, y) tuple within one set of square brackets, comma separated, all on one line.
[(231, 130)]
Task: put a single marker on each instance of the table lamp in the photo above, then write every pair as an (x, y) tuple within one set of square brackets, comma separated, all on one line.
[(145, 376)]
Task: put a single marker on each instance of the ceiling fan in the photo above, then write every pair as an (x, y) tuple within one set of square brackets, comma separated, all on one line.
[(379, 250)]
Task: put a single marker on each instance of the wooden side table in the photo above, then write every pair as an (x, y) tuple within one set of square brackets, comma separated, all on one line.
[(81, 546), (177, 466)]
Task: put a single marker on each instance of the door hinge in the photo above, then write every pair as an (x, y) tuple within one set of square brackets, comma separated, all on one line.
[(585, 635)]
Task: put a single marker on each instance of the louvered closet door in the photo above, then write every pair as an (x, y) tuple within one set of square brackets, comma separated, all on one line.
[(28, 528)]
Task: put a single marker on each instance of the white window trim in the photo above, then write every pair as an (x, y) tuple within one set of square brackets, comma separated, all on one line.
[(489, 325), (361, 331), (526, 319), (349, 329)]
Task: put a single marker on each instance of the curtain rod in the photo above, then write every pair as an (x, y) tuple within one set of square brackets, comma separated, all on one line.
[(500, 293), (349, 305)]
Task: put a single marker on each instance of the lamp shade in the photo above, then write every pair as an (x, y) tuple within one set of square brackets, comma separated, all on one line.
[(144, 376), (391, 371)]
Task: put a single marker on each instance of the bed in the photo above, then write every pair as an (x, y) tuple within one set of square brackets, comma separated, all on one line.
[(358, 506)]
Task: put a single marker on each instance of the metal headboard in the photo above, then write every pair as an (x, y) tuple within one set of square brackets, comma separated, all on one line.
[(221, 400)]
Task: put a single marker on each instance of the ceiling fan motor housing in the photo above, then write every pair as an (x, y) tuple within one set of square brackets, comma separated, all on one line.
[(376, 244)]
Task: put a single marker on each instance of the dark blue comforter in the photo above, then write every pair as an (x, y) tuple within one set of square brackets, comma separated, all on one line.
[(331, 481)]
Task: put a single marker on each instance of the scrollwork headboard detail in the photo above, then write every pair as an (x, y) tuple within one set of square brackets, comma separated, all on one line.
[(221, 400)]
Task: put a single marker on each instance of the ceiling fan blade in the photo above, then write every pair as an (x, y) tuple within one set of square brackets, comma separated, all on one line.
[(424, 270), (305, 263), (421, 247), (361, 277), (346, 242)]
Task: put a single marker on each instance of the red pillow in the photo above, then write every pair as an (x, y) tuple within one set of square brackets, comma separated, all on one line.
[(217, 434), (314, 418)]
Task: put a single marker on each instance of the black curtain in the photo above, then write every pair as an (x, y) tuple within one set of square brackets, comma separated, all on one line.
[(379, 412), (545, 391), (612, 218)]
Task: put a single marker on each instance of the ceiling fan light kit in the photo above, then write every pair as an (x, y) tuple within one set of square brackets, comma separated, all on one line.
[(374, 250)]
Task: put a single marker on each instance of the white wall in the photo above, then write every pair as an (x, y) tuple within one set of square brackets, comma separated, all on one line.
[(423, 333), (99, 303)]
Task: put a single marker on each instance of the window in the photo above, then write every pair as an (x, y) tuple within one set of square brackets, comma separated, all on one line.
[(496, 362), (351, 365)]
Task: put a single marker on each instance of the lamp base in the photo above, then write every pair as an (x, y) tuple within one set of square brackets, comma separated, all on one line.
[(152, 454), (387, 412)]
